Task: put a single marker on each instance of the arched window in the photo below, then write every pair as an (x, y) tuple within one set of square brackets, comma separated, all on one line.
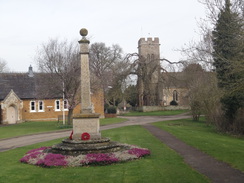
[(175, 95)]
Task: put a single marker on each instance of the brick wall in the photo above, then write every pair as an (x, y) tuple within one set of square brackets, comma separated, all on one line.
[(49, 112), (97, 99)]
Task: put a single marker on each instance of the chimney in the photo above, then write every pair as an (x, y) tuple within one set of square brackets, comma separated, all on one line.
[(30, 72)]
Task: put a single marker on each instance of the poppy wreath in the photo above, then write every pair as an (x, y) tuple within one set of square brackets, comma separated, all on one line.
[(85, 136)]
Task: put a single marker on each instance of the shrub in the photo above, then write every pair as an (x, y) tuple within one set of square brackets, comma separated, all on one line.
[(111, 110), (173, 102), (106, 106), (196, 109)]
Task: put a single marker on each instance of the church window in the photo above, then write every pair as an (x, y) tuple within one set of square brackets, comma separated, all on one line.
[(41, 106), (32, 106), (57, 105), (175, 95)]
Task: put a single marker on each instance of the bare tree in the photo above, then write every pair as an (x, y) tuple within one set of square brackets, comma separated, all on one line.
[(3, 66), (60, 62), (103, 60), (107, 69)]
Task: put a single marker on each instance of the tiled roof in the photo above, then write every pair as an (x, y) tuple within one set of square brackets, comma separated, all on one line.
[(174, 80), (23, 85)]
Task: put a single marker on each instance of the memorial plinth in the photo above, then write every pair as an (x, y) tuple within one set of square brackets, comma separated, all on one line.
[(86, 123)]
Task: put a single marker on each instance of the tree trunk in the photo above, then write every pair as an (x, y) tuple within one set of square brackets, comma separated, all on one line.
[(70, 115)]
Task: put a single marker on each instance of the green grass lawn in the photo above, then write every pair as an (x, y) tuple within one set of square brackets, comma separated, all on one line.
[(27, 128), (156, 113), (164, 165), (108, 121), (197, 134)]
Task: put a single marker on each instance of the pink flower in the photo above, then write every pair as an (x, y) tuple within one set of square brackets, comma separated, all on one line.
[(52, 160), (139, 152), (100, 159)]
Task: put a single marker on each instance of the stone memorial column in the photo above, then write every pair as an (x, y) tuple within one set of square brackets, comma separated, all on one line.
[(86, 122), (86, 106)]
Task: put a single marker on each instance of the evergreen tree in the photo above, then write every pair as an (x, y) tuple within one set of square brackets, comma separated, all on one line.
[(229, 54)]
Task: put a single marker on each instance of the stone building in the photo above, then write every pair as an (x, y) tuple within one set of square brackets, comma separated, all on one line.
[(19, 100), (148, 82), (156, 88), (174, 89)]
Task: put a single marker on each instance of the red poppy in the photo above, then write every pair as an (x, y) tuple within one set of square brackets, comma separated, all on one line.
[(85, 136)]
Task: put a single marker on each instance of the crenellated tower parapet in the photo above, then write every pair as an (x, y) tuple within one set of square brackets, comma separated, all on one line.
[(149, 48), (148, 41)]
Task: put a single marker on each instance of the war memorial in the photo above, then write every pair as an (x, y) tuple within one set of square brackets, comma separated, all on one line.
[(85, 146)]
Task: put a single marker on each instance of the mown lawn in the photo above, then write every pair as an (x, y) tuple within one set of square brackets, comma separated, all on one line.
[(197, 134), (156, 113), (164, 165), (108, 121), (27, 128)]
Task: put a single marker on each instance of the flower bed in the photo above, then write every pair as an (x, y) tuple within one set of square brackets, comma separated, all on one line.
[(40, 158)]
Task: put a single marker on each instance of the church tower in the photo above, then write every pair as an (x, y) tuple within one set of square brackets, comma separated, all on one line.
[(149, 71)]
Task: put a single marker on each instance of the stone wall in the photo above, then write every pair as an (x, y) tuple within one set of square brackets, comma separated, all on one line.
[(161, 108), (150, 108), (11, 108), (182, 98), (172, 108)]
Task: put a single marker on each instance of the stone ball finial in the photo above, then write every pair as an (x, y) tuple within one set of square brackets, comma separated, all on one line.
[(83, 32)]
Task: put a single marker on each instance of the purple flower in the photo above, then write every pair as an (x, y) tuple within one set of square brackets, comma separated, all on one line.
[(139, 152), (45, 159), (29, 156), (52, 160), (100, 158)]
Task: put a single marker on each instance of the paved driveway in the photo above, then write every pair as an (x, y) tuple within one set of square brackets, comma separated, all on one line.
[(21, 141)]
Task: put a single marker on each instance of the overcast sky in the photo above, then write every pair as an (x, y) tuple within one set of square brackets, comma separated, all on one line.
[(26, 24)]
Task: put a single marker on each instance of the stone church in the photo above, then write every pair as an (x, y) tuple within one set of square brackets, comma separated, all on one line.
[(19, 101), (155, 87)]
